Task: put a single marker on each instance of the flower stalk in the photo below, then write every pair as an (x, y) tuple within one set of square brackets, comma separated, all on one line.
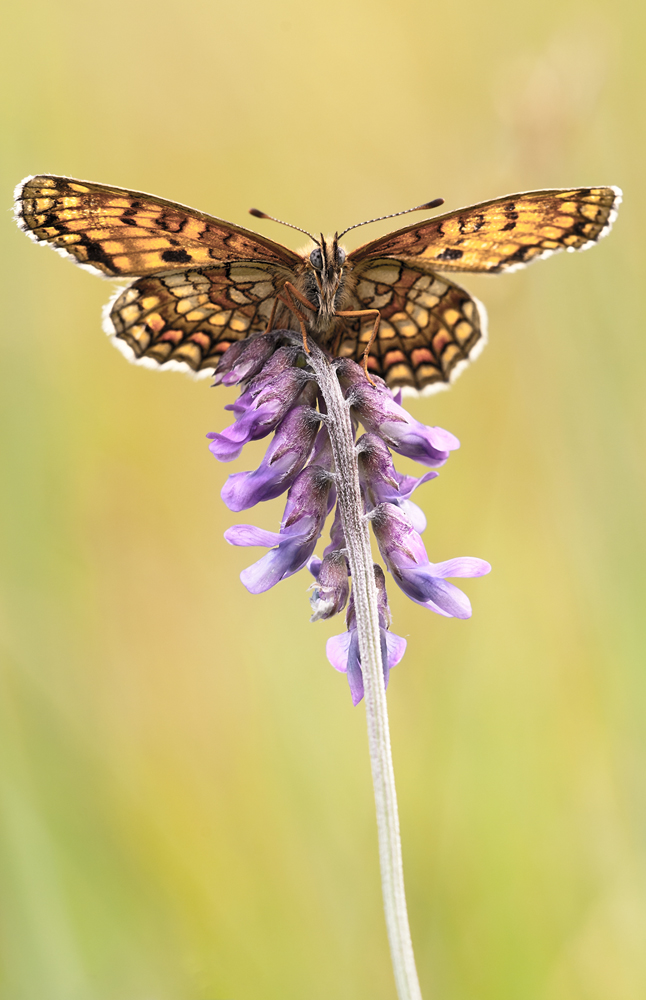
[(357, 540), (313, 404)]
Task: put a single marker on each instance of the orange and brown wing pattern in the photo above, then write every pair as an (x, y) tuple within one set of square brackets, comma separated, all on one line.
[(429, 329), (119, 233), (187, 319), (503, 234)]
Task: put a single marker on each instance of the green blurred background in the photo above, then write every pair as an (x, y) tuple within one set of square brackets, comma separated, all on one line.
[(187, 809)]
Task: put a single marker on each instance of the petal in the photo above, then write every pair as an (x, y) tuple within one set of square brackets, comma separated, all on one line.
[(408, 484), (224, 449), (415, 514), (449, 599), (314, 566), (396, 647), (274, 566), (441, 439), (355, 677), (336, 650), (248, 534), (461, 566), (243, 490)]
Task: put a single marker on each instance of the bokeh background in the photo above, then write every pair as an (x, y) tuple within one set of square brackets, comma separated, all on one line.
[(187, 808)]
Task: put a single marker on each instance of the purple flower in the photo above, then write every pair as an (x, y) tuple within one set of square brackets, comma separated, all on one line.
[(377, 410), (424, 582), (305, 513), (284, 459), (381, 483), (266, 402), (279, 394), (343, 650)]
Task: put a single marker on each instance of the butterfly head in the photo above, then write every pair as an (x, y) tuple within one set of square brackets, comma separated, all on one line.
[(327, 260)]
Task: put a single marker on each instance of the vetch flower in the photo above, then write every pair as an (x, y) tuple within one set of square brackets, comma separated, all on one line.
[(280, 393), (289, 450), (380, 481), (378, 411), (305, 513), (343, 650), (424, 582), (245, 359), (268, 399)]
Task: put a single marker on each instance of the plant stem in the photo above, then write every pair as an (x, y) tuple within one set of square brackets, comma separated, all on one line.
[(357, 540)]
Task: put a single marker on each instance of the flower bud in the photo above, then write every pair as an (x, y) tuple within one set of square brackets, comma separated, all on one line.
[(330, 592), (244, 359)]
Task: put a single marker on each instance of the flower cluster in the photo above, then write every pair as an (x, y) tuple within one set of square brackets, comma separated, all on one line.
[(280, 394)]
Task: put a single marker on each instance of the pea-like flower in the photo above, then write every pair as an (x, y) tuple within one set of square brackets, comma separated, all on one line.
[(343, 650), (279, 393), (265, 403), (305, 513), (424, 582), (284, 459)]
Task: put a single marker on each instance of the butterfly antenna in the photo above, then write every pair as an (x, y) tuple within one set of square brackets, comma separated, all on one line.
[(263, 215), (418, 208)]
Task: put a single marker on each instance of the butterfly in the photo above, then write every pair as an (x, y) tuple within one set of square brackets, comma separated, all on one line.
[(203, 284)]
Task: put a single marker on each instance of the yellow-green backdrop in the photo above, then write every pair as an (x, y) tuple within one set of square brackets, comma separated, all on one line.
[(187, 809)]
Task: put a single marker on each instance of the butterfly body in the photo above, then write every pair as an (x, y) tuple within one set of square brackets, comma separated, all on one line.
[(202, 283)]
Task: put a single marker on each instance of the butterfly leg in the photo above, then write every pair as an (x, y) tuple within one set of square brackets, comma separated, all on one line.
[(293, 309), (296, 297), (295, 294), (270, 324), (373, 335)]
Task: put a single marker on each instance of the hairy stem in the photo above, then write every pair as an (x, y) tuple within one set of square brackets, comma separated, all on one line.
[(357, 539)]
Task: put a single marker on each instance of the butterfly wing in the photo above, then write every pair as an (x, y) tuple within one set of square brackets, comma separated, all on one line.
[(503, 234), (429, 329), (187, 319), (116, 232)]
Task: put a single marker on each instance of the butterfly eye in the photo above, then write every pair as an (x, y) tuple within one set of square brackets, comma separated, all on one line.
[(316, 259), (341, 255)]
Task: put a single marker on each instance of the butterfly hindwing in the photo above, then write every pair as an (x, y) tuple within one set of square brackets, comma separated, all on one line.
[(204, 283), (429, 328), (118, 232), (187, 319), (503, 234)]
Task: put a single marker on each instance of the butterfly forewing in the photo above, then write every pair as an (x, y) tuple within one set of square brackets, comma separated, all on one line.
[(118, 232), (429, 326), (505, 233), (189, 318), (204, 283)]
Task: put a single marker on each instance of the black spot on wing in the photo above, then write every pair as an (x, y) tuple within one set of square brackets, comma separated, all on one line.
[(176, 257), (95, 253), (519, 256), (450, 254)]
